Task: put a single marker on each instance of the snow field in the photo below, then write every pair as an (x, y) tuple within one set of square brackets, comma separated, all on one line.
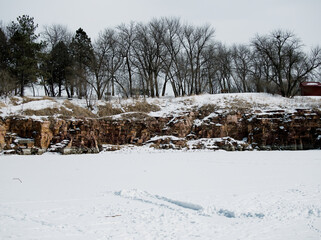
[(161, 195)]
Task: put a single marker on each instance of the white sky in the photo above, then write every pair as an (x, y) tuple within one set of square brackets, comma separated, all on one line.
[(235, 21)]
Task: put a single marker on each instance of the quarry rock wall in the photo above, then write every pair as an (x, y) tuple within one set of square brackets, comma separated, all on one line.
[(262, 130)]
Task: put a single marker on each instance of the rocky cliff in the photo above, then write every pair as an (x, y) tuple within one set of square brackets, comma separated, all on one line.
[(202, 128)]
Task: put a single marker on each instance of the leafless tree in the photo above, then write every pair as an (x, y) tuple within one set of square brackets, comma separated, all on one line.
[(289, 64), (194, 41), (99, 77), (148, 50), (56, 33), (223, 62), (172, 60), (114, 59), (262, 71), (107, 61), (126, 38), (211, 68), (242, 63)]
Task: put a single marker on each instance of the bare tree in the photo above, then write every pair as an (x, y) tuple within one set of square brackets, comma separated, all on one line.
[(56, 33), (172, 67), (223, 61), (107, 61), (260, 77), (194, 41), (126, 38), (242, 61), (290, 65), (99, 77), (148, 50), (114, 60), (211, 68)]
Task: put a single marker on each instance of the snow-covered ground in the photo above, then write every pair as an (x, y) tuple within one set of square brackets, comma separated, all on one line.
[(145, 194), (170, 105)]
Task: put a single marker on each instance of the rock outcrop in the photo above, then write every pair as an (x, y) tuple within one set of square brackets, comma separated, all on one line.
[(300, 129)]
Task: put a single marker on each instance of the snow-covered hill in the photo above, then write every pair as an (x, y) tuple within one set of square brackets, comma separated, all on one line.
[(157, 107)]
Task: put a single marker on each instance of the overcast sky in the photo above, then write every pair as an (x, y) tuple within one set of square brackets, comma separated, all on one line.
[(234, 21)]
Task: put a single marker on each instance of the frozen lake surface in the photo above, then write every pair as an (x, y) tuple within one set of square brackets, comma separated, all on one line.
[(142, 194)]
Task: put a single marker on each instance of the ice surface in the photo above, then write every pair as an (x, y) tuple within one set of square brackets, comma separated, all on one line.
[(150, 194)]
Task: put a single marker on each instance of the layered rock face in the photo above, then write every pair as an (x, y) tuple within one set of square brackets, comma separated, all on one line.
[(300, 129)]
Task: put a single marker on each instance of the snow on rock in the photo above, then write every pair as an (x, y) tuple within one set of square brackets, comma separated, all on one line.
[(156, 138), (225, 143)]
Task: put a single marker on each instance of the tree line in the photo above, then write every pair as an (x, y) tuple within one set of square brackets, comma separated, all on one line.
[(147, 58)]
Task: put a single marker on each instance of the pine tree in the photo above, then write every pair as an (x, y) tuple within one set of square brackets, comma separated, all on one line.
[(61, 64), (6, 80), (4, 51), (24, 51), (82, 54)]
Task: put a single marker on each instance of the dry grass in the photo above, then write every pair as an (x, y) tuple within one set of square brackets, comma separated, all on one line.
[(68, 110), (137, 106), (242, 105), (2, 105), (76, 110), (42, 112), (238, 104), (28, 99), (208, 108), (188, 101), (142, 106), (108, 110), (15, 101), (230, 105)]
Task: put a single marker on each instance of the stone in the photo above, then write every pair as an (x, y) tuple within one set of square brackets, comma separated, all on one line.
[(263, 130)]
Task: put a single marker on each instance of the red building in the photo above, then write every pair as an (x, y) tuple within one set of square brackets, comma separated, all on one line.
[(310, 89)]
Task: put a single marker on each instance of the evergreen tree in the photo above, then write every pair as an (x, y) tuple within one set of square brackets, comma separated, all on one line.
[(4, 51), (24, 51), (6, 80), (61, 64), (82, 55)]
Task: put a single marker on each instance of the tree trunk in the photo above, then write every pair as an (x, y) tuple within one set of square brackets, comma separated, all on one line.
[(22, 86)]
